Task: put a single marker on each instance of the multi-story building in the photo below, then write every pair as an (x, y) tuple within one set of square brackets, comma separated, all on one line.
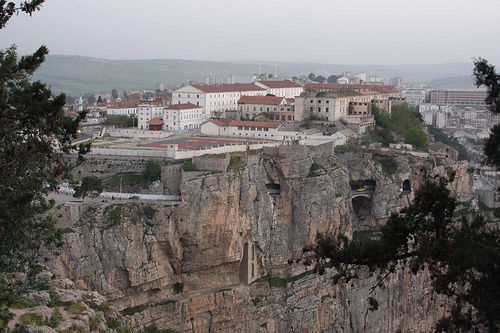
[(283, 88), (396, 82), (176, 117), (180, 117), (270, 107), (415, 96), (146, 112), (333, 101), (127, 109), (458, 97), (215, 99)]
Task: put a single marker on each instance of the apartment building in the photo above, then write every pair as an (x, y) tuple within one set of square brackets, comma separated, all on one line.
[(147, 112), (215, 99), (124, 109), (180, 117), (458, 97), (285, 88), (414, 95)]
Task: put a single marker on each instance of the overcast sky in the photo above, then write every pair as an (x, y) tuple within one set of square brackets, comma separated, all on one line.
[(325, 31)]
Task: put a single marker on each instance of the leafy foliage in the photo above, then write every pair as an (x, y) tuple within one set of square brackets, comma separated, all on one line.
[(7, 10), (440, 136), (34, 132), (485, 75), (120, 121), (463, 256), (404, 121), (153, 171), (90, 185)]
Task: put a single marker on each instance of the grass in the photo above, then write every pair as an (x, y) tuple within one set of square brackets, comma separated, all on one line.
[(315, 170), (134, 310), (235, 163), (75, 308), (274, 282), (114, 214), (32, 319), (128, 179), (155, 329), (189, 165), (388, 163)]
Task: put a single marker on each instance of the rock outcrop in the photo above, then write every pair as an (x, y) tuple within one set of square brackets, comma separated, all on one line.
[(188, 265)]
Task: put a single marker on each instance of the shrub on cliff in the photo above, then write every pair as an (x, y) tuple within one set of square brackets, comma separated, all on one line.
[(463, 256)]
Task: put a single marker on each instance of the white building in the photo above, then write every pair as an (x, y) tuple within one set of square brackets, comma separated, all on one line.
[(285, 88), (414, 95), (121, 110), (343, 80), (215, 99), (180, 117), (146, 112), (266, 130)]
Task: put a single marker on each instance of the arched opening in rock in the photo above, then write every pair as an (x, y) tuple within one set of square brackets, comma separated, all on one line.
[(273, 189), (362, 205), (406, 185), (367, 184)]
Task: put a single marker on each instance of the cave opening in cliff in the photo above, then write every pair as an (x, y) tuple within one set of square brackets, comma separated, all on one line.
[(273, 189), (406, 185), (362, 206), (366, 184)]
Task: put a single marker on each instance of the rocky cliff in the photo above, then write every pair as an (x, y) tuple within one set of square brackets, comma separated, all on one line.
[(204, 265)]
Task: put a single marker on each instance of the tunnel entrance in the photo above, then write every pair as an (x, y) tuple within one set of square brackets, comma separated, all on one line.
[(367, 184), (362, 206), (273, 189), (406, 185)]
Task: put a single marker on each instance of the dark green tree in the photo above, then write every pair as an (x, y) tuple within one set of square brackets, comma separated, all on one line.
[(153, 171), (312, 76), (332, 79), (34, 133), (9, 9), (99, 99), (463, 256), (320, 79), (114, 93), (91, 99), (485, 75), (91, 185)]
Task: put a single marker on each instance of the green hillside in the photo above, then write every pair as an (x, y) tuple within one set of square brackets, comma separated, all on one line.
[(77, 75)]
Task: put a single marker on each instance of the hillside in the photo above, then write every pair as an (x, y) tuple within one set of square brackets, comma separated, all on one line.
[(76, 75)]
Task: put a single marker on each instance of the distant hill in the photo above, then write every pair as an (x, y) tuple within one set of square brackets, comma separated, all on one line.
[(454, 82), (76, 75)]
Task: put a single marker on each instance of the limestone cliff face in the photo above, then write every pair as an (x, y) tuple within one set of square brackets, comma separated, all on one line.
[(238, 226)]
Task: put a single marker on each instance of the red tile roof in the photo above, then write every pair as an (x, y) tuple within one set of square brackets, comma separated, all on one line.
[(221, 122), (155, 121), (183, 106), (235, 87), (265, 124), (361, 88), (264, 100), (280, 84)]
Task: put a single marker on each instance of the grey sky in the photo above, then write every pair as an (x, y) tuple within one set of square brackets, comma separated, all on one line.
[(325, 31)]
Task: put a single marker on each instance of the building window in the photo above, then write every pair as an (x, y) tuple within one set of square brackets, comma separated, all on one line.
[(319, 109), (326, 110), (319, 101)]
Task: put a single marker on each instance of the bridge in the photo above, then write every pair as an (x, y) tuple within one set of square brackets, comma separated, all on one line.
[(362, 192)]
